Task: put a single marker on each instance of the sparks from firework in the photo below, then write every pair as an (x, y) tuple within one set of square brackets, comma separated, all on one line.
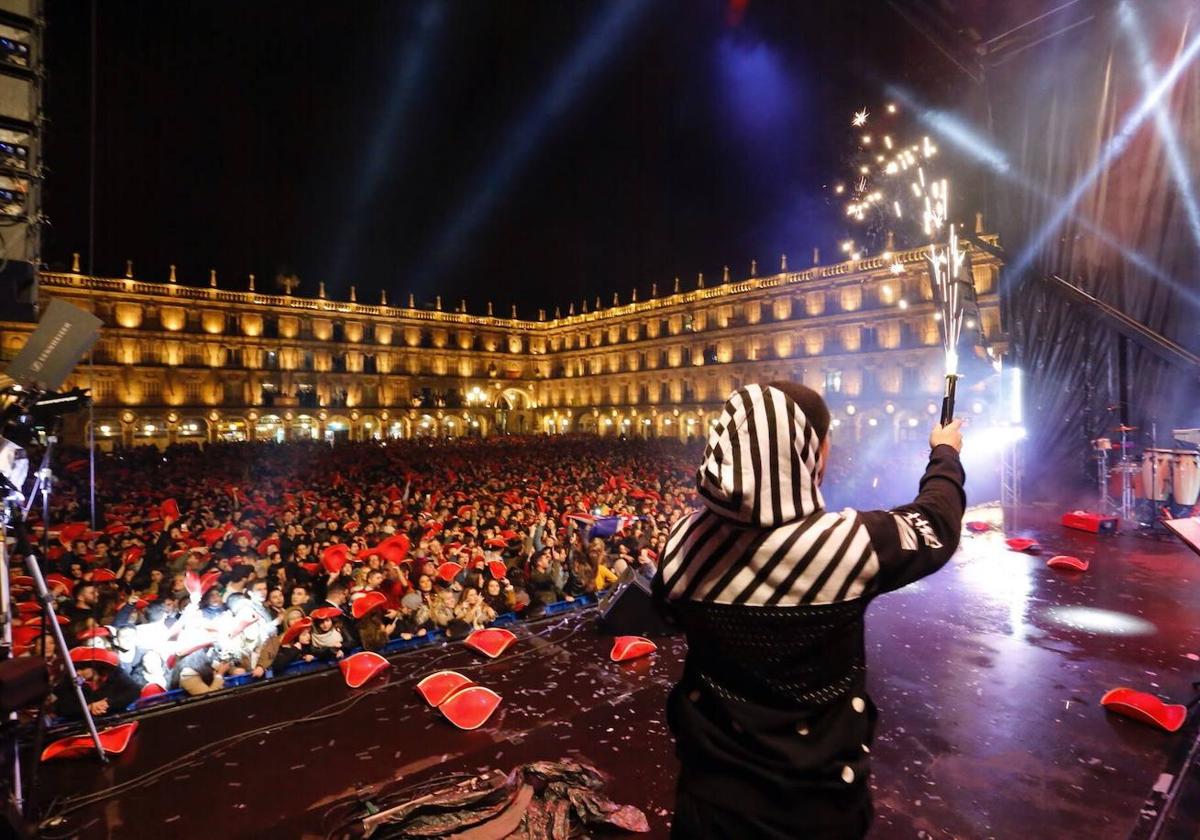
[(879, 194)]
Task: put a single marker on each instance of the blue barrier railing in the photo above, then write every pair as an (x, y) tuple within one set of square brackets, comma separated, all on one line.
[(395, 646)]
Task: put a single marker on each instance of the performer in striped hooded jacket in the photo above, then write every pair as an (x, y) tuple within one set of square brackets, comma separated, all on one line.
[(772, 721)]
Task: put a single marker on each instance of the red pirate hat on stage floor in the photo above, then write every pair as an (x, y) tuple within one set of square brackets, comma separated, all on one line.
[(470, 706), (631, 647), (1144, 707), (977, 527), (437, 687), (114, 741), (1023, 544), (362, 666), (1067, 563), (491, 641)]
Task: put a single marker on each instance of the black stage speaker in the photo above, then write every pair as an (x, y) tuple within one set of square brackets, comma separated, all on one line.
[(21, 127), (630, 612), (23, 682)]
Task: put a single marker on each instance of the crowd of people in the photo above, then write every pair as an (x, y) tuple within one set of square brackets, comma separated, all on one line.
[(243, 560)]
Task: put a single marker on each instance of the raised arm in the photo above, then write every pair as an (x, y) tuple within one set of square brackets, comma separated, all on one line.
[(916, 539)]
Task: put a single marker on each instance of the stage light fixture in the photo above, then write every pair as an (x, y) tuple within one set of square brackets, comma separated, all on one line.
[(851, 410)]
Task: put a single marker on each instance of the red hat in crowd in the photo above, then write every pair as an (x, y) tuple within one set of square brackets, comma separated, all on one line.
[(100, 632), (298, 627), (88, 655), (367, 602), (449, 571), (335, 556), (265, 545), (324, 612), (351, 527), (103, 575), (169, 510), (21, 581), (497, 569), (211, 535), (133, 554), (72, 531), (116, 529)]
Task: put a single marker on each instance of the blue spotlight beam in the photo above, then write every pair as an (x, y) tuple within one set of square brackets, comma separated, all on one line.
[(1113, 149), (971, 143), (524, 137), (388, 140), (1162, 120)]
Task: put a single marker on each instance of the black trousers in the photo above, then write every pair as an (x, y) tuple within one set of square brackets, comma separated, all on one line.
[(699, 818)]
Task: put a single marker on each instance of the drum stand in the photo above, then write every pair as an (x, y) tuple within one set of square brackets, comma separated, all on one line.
[(1126, 468)]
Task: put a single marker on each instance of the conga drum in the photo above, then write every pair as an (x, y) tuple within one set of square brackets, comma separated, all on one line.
[(1186, 478), (1157, 467)]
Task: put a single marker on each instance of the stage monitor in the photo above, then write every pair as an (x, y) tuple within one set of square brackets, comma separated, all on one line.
[(61, 339)]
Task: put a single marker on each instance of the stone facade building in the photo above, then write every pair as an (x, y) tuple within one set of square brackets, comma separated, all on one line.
[(180, 362)]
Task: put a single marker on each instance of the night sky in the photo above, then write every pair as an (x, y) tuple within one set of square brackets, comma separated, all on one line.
[(528, 153)]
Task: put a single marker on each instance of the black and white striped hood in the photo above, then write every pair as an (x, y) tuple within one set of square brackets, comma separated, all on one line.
[(763, 537), (761, 462)]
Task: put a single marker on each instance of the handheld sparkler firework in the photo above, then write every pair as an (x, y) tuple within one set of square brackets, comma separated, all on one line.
[(890, 175)]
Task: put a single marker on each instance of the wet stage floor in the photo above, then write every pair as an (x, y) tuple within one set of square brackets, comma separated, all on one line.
[(988, 677)]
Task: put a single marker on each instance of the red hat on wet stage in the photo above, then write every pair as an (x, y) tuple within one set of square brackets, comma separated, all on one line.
[(1066, 562), (438, 686), (490, 641), (470, 706), (362, 666), (113, 741), (1145, 707), (631, 647)]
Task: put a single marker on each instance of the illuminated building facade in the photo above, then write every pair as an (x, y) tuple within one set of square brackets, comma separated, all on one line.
[(184, 363)]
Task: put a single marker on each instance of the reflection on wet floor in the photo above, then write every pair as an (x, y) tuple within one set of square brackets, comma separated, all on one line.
[(988, 678)]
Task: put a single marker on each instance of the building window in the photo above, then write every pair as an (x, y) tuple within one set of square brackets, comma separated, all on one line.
[(193, 390), (308, 360), (339, 331), (833, 382), (233, 358), (231, 392), (271, 360), (152, 389), (369, 364), (339, 362)]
